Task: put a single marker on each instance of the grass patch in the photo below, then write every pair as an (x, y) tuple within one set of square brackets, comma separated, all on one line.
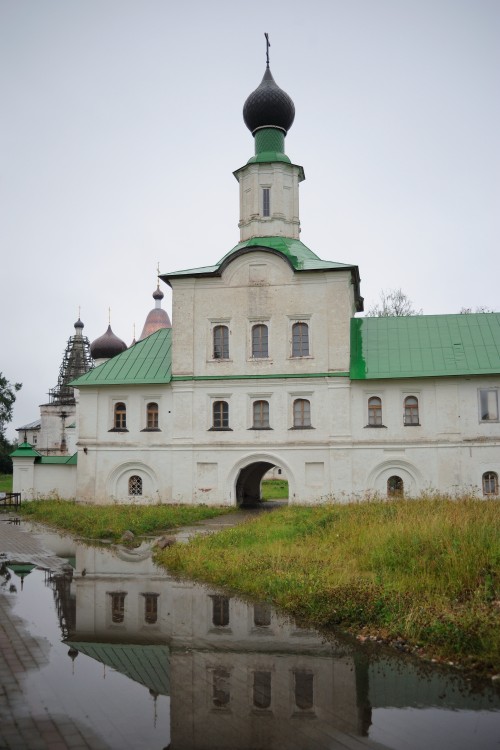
[(110, 521), (5, 482), (425, 571), (274, 489)]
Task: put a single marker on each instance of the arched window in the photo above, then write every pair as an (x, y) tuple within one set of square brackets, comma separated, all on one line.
[(152, 416), (261, 415), (490, 483), (375, 411), (220, 419), (395, 487), (260, 348), (300, 340), (411, 411), (304, 689), (301, 413), (135, 485), (261, 689), (221, 342), (120, 420)]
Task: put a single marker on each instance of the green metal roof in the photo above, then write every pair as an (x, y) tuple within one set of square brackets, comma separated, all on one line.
[(425, 346), (149, 362), (149, 665), (68, 460), (24, 450)]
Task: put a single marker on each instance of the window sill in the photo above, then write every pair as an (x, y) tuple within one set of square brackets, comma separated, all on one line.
[(118, 429), (413, 424), (375, 426), (260, 428), (220, 429), (220, 359), (304, 427), (151, 429)]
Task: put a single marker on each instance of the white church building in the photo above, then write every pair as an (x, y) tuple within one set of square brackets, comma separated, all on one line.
[(266, 365)]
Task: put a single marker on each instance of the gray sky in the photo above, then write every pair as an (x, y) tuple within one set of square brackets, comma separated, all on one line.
[(121, 127)]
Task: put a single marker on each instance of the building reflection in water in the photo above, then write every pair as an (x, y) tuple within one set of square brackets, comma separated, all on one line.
[(238, 674)]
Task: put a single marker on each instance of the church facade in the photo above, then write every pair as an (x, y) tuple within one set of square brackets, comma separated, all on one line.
[(266, 365)]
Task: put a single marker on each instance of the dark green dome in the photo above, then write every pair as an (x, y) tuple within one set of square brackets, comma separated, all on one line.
[(268, 106)]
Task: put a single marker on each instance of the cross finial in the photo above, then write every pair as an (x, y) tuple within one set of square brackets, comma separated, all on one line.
[(268, 44), (109, 316)]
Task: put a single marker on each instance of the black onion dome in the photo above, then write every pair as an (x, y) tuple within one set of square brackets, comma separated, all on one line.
[(79, 324), (269, 106), (106, 346), (158, 294)]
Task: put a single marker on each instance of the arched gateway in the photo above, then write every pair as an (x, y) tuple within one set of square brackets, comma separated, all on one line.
[(247, 476)]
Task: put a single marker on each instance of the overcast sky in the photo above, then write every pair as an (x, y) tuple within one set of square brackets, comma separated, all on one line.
[(121, 127)]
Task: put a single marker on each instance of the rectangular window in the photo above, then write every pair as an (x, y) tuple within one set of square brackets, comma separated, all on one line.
[(220, 611), (488, 405), (266, 201), (261, 615), (300, 340), (261, 415), (150, 608), (221, 342), (118, 606)]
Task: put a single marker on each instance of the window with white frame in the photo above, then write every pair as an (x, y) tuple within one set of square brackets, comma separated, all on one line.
[(490, 483), (300, 339), (220, 415), (220, 342), (301, 413), (411, 415), (120, 416), (260, 410), (488, 404), (152, 416), (260, 341), (375, 411)]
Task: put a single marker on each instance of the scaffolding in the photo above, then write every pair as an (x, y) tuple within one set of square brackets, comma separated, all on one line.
[(77, 360)]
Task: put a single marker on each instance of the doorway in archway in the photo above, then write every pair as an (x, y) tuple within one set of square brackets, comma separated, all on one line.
[(261, 481)]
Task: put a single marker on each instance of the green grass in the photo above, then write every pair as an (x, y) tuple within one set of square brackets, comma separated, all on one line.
[(5, 482), (274, 489), (110, 521), (425, 571)]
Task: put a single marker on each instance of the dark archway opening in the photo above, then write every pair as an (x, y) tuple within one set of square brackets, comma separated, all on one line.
[(249, 483)]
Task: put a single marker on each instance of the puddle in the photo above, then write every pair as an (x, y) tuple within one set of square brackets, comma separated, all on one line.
[(142, 660)]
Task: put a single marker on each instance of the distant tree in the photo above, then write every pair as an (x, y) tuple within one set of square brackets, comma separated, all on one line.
[(7, 398), (480, 309), (393, 303)]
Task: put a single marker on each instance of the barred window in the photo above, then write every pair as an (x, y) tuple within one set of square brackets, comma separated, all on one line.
[(300, 340), (135, 485), (261, 415), (490, 483), (260, 346), (301, 413), (266, 201), (411, 415), (120, 420), (375, 411), (221, 342), (220, 411), (152, 416)]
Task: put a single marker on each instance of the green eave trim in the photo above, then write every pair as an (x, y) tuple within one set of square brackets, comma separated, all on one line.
[(425, 346), (279, 376), (149, 362)]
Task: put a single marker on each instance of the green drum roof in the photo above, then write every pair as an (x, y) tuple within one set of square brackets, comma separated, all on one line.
[(148, 362), (425, 346)]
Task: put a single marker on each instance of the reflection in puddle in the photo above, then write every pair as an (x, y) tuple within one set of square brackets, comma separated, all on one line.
[(148, 661)]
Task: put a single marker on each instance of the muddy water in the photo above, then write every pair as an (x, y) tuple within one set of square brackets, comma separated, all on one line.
[(147, 661)]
